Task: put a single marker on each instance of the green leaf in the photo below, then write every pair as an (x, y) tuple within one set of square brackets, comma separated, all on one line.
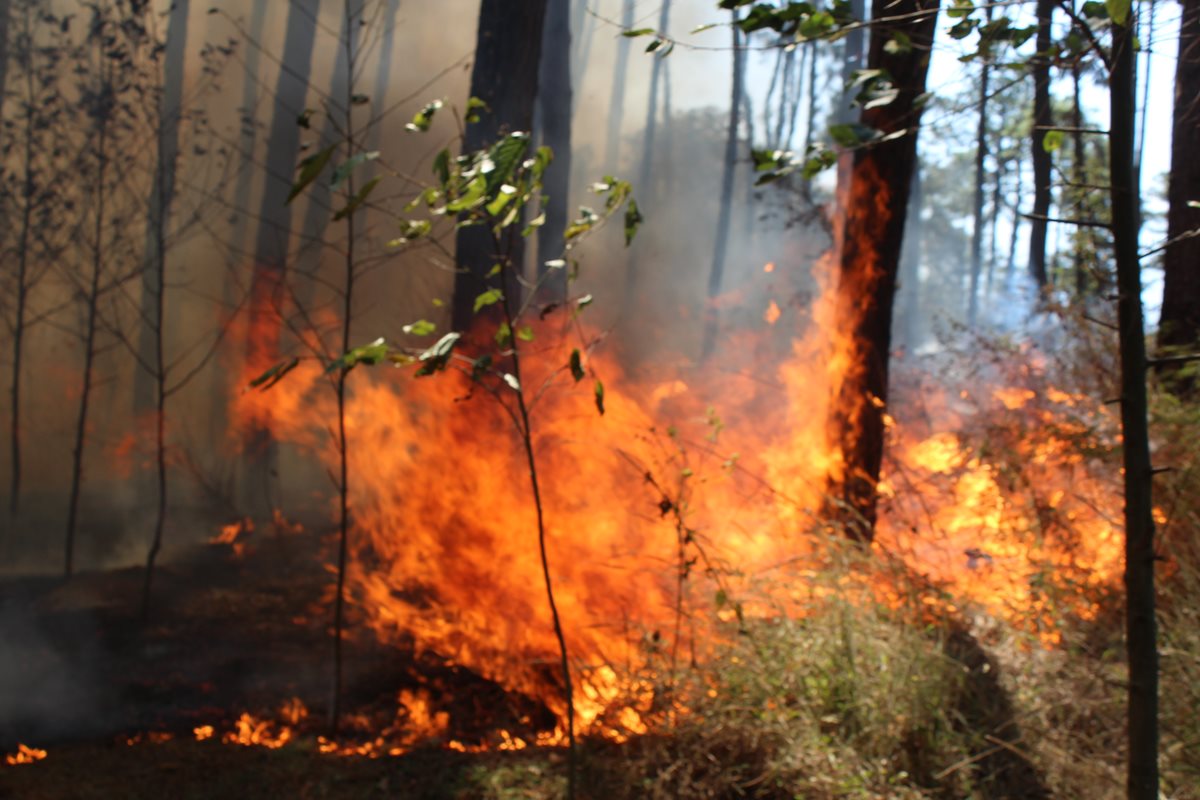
[(503, 335), (273, 375), (705, 27), (421, 327), (310, 168), (576, 364), (473, 106), (369, 354), (441, 166), (637, 32), (584, 302), (654, 45), (1118, 10), (1052, 141), (506, 155), (525, 333), (503, 197), (474, 196), (633, 218), (490, 297), (411, 229), (359, 198), (598, 393), (424, 118), (900, 43), (435, 358), (305, 118)]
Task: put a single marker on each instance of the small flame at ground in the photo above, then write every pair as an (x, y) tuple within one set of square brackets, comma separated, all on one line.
[(25, 755)]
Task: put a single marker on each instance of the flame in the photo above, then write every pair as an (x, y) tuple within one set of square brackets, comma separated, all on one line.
[(24, 755), (692, 484), (250, 731)]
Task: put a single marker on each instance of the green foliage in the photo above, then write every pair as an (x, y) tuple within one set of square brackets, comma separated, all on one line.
[(424, 118), (310, 168)]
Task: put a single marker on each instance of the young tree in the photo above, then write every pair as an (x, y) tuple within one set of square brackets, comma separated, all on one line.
[(505, 78), (30, 138)]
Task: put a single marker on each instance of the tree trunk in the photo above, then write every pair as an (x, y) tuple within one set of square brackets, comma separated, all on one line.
[(852, 61), (981, 154), (505, 76), (1042, 119), (554, 104), (152, 387), (868, 235), (102, 111), (274, 232), (1140, 624), (616, 103), (645, 177), (1179, 325), (909, 330), (716, 273)]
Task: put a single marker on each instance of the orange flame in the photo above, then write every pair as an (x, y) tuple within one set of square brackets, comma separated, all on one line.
[(25, 755)]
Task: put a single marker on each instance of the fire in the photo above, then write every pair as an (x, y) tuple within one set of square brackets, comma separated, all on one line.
[(235, 534), (694, 484), (24, 755), (250, 731)]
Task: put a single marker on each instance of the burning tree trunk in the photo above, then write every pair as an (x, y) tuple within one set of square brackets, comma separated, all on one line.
[(1042, 120), (505, 77), (869, 229), (1140, 626), (1179, 325), (554, 105), (274, 232), (721, 246)]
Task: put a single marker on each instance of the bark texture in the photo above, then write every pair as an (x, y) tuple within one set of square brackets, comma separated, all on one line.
[(868, 235), (505, 76)]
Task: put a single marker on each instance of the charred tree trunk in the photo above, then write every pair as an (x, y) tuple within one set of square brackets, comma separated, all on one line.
[(1042, 119), (868, 235), (1179, 325), (274, 232), (505, 76), (1140, 626), (152, 378), (554, 105), (716, 272)]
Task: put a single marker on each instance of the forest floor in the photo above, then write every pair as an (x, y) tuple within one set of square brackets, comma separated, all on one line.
[(115, 701)]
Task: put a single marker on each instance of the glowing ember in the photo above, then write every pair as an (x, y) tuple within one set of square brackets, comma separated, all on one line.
[(772, 314), (234, 534), (24, 755), (203, 732)]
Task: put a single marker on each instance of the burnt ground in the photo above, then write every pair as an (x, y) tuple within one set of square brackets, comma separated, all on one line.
[(82, 673)]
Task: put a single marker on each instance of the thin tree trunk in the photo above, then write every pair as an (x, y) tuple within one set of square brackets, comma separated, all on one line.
[(1042, 119), (994, 218), (616, 104), (22, 299), (724, 215), (1079, 177), (1140, 626), (1179, 324), (349, 57), (505, 77), (555, 104), (645, 173), (154, 278), (869, 232), (102, 111), (852, 60), (274, 233), (910, 264), (981, 154)]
